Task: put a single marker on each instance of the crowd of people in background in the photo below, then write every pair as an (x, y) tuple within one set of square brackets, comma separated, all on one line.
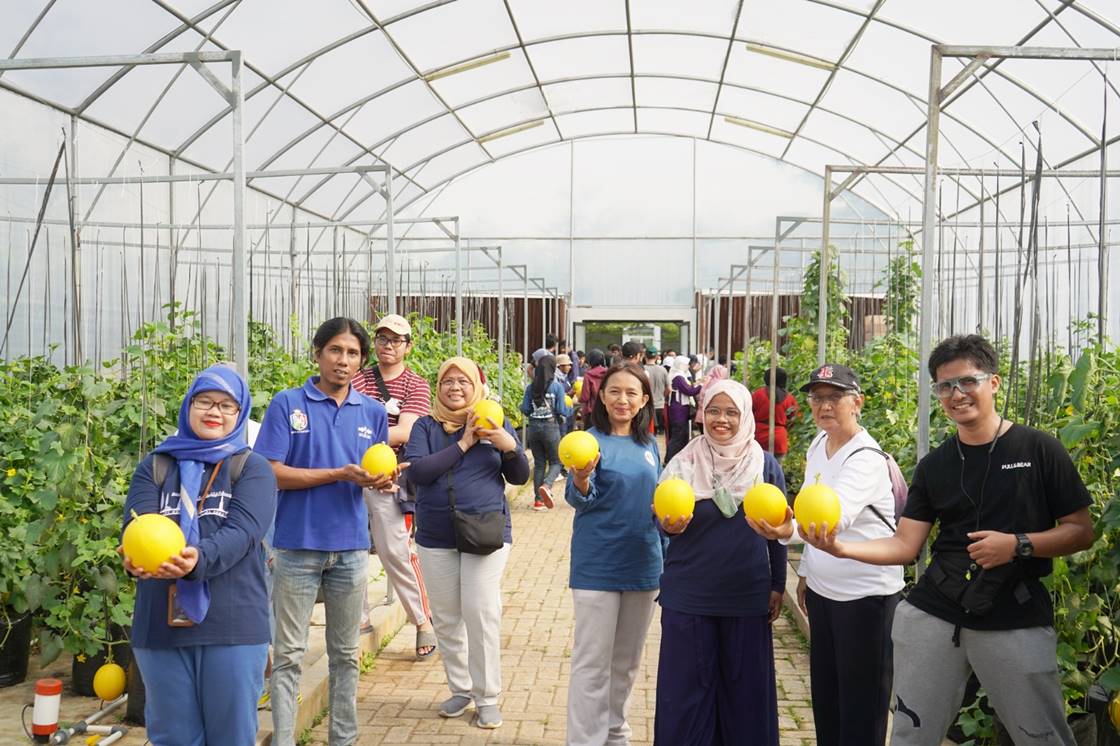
[(290, 522)]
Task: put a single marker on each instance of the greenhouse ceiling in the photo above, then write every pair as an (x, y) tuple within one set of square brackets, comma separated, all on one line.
[(440, 89)]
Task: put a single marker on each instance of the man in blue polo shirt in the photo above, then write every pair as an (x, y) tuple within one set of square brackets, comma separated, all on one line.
[(315, 436)]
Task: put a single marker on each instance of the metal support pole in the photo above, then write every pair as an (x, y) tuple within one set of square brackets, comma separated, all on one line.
[(730, 319), (822, 303), (716, 321), (774, 331), (980, 261), (929, 220), (501, 326), (458, 290), (238, 310), (391, 249), (76, 244), (525, 315), (747, 320)]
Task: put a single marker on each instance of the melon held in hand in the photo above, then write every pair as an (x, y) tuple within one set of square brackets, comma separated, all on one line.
[(765, 502), (577, 449), (150, 540), (379, 460), (488, 414), (674, 499), (819, 504)]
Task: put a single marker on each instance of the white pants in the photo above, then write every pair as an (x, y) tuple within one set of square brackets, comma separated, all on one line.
[(465, 592), (390, 539), (611, 629)]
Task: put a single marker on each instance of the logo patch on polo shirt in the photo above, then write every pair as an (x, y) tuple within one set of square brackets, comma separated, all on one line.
[(649, 459), (298, 420), (365, 432), (1017, 465)]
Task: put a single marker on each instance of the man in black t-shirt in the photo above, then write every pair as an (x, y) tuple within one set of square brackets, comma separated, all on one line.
[(1007, 498)]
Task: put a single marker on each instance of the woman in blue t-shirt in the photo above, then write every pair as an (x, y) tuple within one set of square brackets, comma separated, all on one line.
[(721, 589), (200, 626), (616, 558), (457, 466)]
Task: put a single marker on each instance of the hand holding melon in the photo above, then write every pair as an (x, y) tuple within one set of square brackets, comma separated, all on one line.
[(673, 503), (817, 510), (767, 512), (149, 541), (577, 449), (488, 414)]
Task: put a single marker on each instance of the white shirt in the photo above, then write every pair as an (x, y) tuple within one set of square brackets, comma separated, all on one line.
[(860, 481)]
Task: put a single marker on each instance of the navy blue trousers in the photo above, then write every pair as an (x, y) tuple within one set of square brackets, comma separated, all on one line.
[(202, 695), (715, 682)]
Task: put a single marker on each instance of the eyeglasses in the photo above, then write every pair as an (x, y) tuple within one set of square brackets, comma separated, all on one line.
[(964, 384), (226, 407), (462, 383), (832, 399), (714, 413), (384, 341)]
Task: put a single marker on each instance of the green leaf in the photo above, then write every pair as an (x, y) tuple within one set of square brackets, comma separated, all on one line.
[(50, 646), (1110, 679), (33, 592), (46, 498), (1080, 378), (1076, 431), (107, 581)]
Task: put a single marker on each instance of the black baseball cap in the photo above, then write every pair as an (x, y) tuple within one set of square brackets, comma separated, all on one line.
[(840, 376)]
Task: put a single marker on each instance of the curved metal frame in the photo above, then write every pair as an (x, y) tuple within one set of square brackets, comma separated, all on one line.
[(411, 172)]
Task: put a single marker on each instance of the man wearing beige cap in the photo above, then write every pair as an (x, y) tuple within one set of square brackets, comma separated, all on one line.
[(407, 398)]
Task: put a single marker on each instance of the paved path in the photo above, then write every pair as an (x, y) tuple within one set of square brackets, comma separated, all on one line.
[(397, 699)]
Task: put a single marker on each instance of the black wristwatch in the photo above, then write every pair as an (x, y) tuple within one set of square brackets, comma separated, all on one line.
[(1025, 549)]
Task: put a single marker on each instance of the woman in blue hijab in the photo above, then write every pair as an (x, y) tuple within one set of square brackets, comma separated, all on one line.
[(200, 627)]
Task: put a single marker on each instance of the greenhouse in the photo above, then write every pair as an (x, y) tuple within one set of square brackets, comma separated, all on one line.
[(854, 247)]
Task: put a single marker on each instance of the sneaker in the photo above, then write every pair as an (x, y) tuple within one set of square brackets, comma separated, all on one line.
[(545, 495), (455, 706), (489, 717), (538, 505)]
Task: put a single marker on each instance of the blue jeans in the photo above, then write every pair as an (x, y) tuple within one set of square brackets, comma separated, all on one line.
[(543, 440), (202, 695), (297, 575)]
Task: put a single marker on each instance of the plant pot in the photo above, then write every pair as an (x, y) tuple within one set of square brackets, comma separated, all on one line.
[(15, 651), (134, 712), (82, 672), (1083, 724)]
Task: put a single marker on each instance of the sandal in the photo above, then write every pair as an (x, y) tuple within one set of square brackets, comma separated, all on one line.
[(425, 639)]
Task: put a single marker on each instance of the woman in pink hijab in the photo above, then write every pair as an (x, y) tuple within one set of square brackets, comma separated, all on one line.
[(721, 588)]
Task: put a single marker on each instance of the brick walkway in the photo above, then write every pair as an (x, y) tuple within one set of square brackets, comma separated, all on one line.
[(397, 699)]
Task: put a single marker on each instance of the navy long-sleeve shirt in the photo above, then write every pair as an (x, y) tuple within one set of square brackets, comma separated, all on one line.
[(232, 522), (719, 566), (478, 478)]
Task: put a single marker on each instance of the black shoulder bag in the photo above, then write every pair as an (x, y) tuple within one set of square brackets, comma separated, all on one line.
[(476, 533)]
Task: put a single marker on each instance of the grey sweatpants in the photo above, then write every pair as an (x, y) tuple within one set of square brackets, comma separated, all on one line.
[(1018, 669)]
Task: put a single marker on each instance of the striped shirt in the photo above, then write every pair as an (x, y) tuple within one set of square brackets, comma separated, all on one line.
[(409, 389)]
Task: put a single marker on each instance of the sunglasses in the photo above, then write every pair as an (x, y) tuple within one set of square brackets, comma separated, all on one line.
[(964, 384)]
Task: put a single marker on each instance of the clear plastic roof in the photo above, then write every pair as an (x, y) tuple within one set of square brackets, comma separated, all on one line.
[(443, 87)]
